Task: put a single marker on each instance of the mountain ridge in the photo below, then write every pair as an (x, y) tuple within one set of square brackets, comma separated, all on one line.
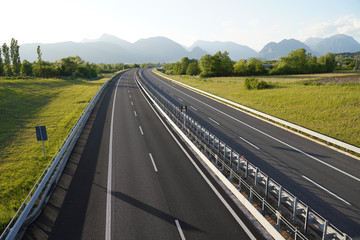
[(111, 49)]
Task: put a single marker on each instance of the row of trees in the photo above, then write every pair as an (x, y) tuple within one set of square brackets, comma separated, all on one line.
[(220, 64), (11, 66)]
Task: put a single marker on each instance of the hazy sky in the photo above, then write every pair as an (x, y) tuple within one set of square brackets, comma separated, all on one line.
[(251, 23)]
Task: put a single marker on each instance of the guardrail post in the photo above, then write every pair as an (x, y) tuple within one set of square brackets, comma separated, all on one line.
[(231, 176), (278, 219), (224, 152), (246, 168), (263, 207), (238, 163), (306, 219), (324, 236), (295, 208), (280, 195), (251, 194), (218, 147), (230, 157), (267, 187), (256, 175)]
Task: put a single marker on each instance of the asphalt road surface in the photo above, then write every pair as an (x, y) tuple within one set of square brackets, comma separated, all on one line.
[(326, 180), (127, 178)]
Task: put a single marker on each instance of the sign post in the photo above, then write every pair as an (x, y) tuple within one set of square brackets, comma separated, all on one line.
[(183, 109), (41, 135)]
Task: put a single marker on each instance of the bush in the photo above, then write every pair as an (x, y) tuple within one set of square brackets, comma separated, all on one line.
[(254, 83)]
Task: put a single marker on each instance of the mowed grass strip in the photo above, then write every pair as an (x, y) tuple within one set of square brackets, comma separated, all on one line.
[(24, 104), (332, 109)]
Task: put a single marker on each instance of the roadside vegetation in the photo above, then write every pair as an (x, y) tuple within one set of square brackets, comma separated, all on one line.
[(299, 88), (326, 103), (53, 94), (24, 104), (296, 62)]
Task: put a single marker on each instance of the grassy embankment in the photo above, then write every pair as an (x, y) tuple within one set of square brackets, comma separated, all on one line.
[(24, 104), (324, 106)]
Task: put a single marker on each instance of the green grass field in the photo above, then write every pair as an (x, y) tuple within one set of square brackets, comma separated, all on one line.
[(24, 104), (330, 108)]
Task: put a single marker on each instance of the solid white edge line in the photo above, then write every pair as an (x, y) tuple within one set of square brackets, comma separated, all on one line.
[(328, 191), (249, 143), (180, 230), (268, 135), (141, 131), (153, 162), (232, 212), (214, 121), (109, 179)]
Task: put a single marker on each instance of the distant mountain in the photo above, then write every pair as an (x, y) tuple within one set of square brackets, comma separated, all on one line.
[(311, 42), (236, 51), (97, 52), (158, 49), (197, 53), (110, 49), (337, 44), (272, 50)]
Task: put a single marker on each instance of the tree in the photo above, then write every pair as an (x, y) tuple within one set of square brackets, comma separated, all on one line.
[(240, 68), (193, 69), (1, 66), (327, 62), (7, 64), (177, 70), (15, 57), (39, 62), (222, 64), (205, 65), (255, 67), (184, 65), (26, 68)]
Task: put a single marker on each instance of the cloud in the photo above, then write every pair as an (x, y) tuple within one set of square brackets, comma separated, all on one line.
[(349, 25)]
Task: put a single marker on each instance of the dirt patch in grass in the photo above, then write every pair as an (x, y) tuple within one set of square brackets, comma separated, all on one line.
[(339, 80)]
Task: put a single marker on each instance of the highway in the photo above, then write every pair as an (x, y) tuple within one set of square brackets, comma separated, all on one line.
[(325, 179), (129, 178)]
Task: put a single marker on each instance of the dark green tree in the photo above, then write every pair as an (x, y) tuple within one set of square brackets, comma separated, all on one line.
[(7, 63), (15, 57), (222, 65), (177, 69), (26, 68), (1, 66), (39, 62), (193, 69), (206, 66), (327, 62), (255, 67), (240, 68), (184, 64)]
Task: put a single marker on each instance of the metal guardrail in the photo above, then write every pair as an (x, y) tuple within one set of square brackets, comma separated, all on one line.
[(40, 193), (322, 137), (284, 210)]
